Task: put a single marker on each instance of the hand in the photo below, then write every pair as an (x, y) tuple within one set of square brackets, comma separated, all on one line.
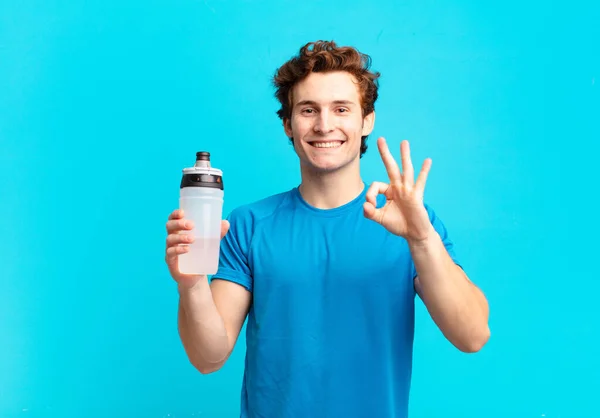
[(178, 243), (404, 213)]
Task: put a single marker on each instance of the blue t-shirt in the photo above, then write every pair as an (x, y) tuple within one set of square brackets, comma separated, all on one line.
[(330, 327)]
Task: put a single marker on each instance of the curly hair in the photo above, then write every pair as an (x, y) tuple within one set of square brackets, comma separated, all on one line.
[(326, 56)]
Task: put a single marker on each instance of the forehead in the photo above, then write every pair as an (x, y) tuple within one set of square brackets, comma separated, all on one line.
[(327, 87)]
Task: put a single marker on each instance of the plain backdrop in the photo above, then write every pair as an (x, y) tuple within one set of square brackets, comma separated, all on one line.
[(103, 102)]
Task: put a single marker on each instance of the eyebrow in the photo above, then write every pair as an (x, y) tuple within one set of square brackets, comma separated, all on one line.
[(313, 103)]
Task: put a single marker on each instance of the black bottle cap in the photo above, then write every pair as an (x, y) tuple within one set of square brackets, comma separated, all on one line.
[(202, 179), (203, 156)]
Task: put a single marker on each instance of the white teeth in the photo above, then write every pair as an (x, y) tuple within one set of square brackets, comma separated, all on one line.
[(332, 144)]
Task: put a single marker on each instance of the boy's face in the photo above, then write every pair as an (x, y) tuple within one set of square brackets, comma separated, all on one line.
[(327, 122)]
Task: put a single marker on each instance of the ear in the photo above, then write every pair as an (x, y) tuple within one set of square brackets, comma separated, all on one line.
[(287, 126), (368, 124)]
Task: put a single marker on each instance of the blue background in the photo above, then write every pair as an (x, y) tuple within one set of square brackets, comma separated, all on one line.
[(102, 103)]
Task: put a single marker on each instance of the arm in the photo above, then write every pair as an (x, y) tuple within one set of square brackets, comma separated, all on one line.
[(455, 304), (210, 318)]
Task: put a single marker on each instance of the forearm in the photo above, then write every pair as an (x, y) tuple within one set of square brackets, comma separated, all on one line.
[(201, 328), (457, 306)]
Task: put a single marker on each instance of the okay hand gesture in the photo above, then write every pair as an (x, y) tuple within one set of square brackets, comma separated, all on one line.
[(404, 213)]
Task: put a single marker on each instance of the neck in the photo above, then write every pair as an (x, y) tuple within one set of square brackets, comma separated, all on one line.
[(331, 190)]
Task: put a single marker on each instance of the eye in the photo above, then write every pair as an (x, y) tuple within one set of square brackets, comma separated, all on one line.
[(308, 110), (343, 110)]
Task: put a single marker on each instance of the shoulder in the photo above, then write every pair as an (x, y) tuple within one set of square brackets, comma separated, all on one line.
[(441, 229), (234, 262), (435, 219), (249, 214), (430, 211)]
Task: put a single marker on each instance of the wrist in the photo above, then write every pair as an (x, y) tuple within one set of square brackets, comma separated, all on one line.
[(191, 286), (425, 241)]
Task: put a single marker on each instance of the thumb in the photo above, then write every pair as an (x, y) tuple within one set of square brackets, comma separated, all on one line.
[(371, 212), (224, 228)]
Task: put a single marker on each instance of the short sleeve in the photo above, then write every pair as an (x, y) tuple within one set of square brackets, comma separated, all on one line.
[(233, 257), (440, 228)]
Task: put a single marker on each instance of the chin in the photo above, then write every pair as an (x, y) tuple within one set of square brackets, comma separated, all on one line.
[(324, 169), (326, 165)]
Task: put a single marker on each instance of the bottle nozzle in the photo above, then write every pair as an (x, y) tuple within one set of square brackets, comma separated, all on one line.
[(202, 159), (203, 155)]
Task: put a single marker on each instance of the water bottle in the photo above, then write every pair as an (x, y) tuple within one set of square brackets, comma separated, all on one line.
[(201, 198)]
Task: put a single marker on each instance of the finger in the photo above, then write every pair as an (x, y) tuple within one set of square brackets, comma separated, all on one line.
[(173, 252), (177, 225), (376, 189), (176, 214), (388, 160), (407, 167), (224, 228), (422, 179), (370, 209), (177, 239)]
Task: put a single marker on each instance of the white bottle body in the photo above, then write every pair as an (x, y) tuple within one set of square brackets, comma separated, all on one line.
[(204, 207)]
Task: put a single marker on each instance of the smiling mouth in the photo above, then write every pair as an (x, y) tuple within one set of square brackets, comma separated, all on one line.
[(326, 144)]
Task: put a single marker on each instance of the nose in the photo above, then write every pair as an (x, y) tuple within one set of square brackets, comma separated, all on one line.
[(324, 124)]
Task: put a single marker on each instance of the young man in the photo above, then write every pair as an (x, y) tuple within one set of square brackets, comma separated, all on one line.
[(327, 272)]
